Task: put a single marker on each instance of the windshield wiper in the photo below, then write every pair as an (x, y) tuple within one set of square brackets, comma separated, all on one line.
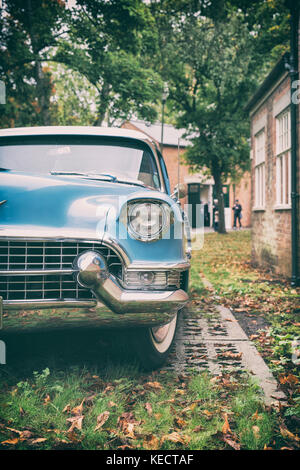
[(68, 173), (86, 175), (99, 176)]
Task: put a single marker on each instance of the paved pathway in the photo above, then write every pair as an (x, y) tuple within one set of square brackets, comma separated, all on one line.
[(213, 340)]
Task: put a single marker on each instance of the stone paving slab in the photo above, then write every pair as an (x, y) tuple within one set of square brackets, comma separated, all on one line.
[(214, 341)]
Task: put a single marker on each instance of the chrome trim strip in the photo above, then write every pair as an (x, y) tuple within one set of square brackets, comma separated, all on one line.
[(35, 272), (136, 266), (62, 235), (40, 304)]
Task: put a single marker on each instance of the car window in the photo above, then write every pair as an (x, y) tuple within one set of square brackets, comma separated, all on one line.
[(123, 159)]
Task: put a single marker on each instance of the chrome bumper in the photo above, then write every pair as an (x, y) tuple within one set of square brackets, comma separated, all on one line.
[(114, 306), (150, 310)]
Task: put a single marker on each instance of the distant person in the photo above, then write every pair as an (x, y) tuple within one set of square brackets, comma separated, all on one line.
[(237, 208), (216, 215)]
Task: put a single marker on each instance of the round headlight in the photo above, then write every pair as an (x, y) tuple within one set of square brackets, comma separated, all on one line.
[(146, 220)]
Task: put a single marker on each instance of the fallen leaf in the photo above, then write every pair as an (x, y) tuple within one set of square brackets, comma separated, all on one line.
[(256, 430), (180, 422), (151, 442), (267, 448), (175, 437), (108, 389), (207, 413), (256, 415), (226, 428), (67, 408), (288, 434), (111, 404), (179, 391), (127, 423), (153, 385), (76, 423), (148, 408), (235, 445), (191, 407), (47, 400), (230, 355), (101, 419), (37, 441), (11, 442), (290, 379), (77, 410), (22, 434)]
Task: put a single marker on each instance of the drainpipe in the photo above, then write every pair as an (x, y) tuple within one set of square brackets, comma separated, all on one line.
[(293, 70)]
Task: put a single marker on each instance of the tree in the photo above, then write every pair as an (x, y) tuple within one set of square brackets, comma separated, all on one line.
[(214, 59), (73, 99), (209, 72), (29, 29), (107, 46)]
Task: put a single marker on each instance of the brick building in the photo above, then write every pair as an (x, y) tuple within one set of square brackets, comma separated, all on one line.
[(199, 188), (274, 151)]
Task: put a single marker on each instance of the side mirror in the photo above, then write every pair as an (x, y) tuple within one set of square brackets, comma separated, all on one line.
[(180, 190)]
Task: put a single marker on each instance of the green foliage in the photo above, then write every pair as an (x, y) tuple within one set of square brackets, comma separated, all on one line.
[(73, 98), (213, 56), (28, 29), (106, 45), (124, 49)]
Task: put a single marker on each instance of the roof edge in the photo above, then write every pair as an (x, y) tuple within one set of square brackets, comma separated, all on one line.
[(278, 70)]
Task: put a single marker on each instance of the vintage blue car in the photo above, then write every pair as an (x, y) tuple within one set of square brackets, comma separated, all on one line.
[(90, 235)]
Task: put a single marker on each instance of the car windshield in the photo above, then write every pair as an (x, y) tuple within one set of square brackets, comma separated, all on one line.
[(111, 159)]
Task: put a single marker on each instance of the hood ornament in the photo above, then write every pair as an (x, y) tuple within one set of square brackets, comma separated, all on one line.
[(3, 202)]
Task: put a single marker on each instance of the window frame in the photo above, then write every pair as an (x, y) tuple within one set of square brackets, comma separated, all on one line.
[(283, 160), (260, 170)]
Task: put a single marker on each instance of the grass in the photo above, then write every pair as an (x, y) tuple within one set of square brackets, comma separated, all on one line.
[(75, 390), (161, 411), (266, 306)]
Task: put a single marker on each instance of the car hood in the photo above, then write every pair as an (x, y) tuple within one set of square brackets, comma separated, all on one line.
[(58, 201)]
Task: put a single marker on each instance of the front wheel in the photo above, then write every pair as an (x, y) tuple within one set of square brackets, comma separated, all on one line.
[(153, 344)]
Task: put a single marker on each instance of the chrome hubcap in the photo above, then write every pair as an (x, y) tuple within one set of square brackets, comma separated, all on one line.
[(160, 332)]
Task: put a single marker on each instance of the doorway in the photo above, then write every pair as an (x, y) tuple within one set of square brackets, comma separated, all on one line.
[(194, 202)]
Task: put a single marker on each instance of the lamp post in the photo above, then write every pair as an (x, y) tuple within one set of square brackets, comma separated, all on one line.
[(164, 99)]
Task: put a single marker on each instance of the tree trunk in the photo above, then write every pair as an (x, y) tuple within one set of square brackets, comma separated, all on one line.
[(43, 84), (43, 93), (219, 192), (103, 104)]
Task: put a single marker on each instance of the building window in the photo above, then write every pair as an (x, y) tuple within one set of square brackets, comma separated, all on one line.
[(260, 182), (283, 159)]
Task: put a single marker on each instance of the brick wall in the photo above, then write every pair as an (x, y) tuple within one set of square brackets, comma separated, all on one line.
[(271, 227)]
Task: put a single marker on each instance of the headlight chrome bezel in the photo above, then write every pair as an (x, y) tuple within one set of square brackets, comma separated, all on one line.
[(164, 226)]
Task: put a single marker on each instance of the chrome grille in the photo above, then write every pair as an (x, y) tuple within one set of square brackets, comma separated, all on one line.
[(37, 259)]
